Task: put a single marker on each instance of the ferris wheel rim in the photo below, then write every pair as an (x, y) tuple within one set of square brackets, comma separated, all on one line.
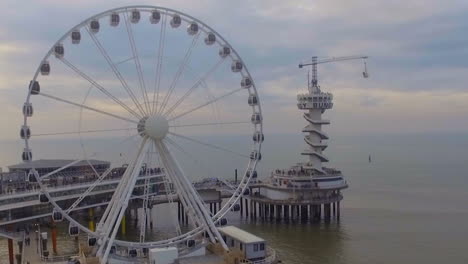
[(251, 166)]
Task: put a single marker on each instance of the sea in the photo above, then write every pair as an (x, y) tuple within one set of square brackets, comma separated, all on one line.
[(408, 205)]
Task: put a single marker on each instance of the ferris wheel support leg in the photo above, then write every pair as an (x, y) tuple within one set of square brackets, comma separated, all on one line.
[(113, 221), (198, 203), (182, 192)]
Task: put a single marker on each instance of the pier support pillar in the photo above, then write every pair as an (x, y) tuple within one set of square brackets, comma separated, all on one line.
[(54, 237), (11, 253), (178, 211), (241, 207), (286, 212), (123, 225), (246, 208), (338, 210), (278, 212), (91, 219), (327, 211)]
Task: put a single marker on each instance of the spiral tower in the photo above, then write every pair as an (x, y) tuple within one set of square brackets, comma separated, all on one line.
[(315, 102)]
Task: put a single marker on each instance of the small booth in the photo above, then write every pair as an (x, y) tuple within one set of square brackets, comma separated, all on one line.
[(253, 248)]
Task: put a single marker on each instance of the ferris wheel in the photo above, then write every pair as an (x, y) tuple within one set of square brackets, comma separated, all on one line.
[(156, 92)]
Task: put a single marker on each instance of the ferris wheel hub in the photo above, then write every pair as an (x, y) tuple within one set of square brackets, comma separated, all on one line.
[(155, 126)]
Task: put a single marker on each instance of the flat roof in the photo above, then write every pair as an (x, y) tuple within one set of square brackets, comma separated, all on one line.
[(55, 163), (240, 235)]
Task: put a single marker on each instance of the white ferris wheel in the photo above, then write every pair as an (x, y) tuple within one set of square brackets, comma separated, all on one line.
[(158, 89)]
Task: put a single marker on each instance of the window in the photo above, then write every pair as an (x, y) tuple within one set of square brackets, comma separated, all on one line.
[(262, 246), (224, 238), (241, 246), (232, 242), (255, 247)]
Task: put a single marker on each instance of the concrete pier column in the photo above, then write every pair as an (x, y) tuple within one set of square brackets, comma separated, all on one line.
[(338, 210), (178, 211), (54, 237), (334, 209), (278, 212), (123, 225), (11, 253), (298, 212), (241, 207), (304, 213), (247, 208), (255, 210), (91, 219), (272, 211), (327, 211), (286, 212)]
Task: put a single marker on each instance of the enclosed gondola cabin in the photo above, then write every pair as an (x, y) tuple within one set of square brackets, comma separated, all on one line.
[(210, 39), (176, 21), (135, 16), (190, 243), (57, 216), (45, 68), (92, 241), (192, 28), (25, 132), (73, 230), (235, 208), (255, 155), (59, 51), (256, 118), (28, 109), (253, 100), (94, 26), (224, 51), (43, 199), (114, 19), (246, 82), (34, 87), (236, 66), (27, 155), (258, 137), (155, 17), (76, 37)]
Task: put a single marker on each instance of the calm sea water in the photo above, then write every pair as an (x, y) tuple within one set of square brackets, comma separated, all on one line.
[(410, 205)]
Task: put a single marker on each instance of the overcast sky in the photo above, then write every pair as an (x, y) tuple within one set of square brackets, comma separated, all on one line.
[(418, 52)]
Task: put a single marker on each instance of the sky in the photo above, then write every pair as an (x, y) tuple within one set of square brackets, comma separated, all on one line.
[(417, 63)]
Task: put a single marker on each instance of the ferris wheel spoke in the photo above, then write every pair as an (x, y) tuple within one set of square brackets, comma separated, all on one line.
[(195, 86), (211, 124), (87, 107), (208, 144), (99, 87), (169, 195), (197, 203), (159, 63), (183, 64), (81, 132), (120, 203), (116, 71), (141, 79), (88, 191), (205, 104)]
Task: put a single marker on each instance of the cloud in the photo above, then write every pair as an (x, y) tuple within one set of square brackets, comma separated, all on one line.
[(417, 51)]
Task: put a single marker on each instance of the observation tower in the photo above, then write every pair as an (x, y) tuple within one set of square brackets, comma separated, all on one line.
[(308, 189)]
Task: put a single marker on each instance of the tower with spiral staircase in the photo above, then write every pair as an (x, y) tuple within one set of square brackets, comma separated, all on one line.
[(307, 190)]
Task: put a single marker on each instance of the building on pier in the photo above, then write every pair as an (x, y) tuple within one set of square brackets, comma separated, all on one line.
[(306, 189)]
